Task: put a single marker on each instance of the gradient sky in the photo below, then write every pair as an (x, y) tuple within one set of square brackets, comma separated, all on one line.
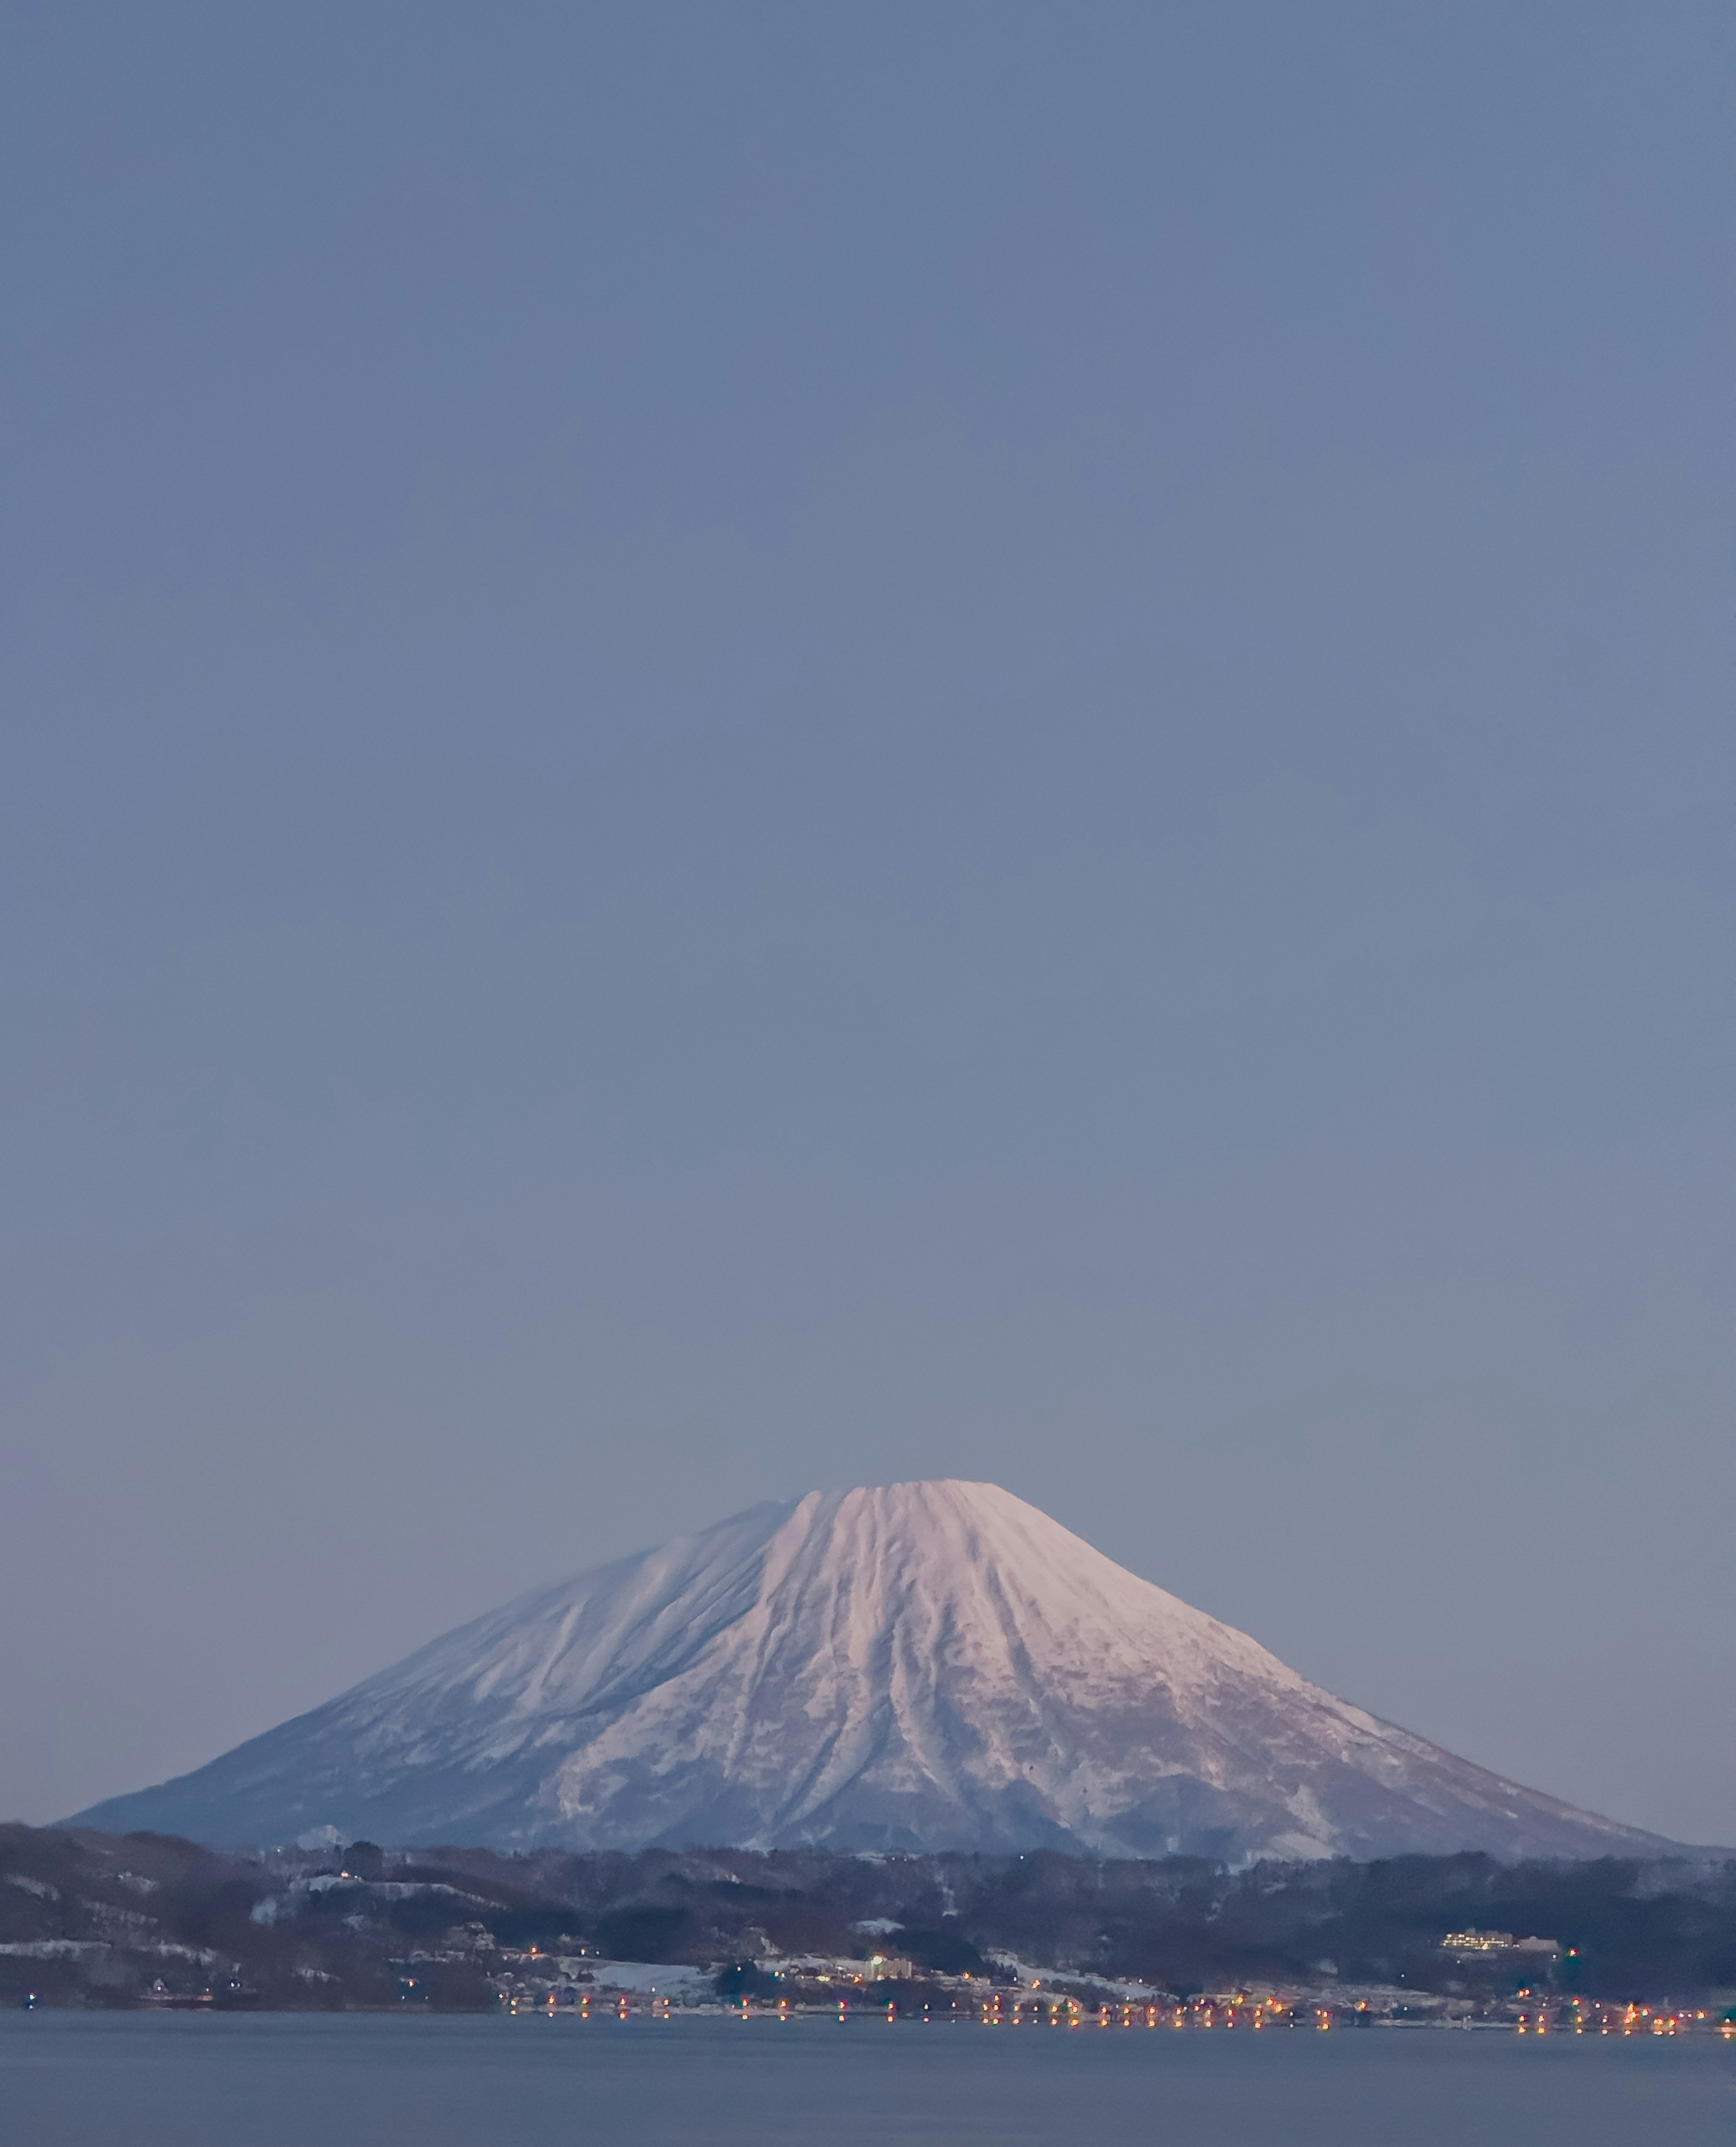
[(757, 746)]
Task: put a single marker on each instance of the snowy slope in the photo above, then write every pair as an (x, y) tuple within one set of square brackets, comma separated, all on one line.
[(919, 1666)]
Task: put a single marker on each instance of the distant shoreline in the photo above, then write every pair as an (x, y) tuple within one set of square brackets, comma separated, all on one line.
[(148, 1923)]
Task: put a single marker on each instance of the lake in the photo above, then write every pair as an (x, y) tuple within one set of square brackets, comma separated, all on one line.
[(71, 2079)]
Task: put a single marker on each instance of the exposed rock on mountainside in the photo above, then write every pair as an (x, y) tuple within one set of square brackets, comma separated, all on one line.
[(926, 1665)]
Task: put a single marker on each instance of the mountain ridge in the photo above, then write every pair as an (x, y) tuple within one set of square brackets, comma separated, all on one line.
[(911, 1666)]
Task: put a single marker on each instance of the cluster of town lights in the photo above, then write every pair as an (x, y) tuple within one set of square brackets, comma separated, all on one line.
[(1580, 2016), (1240, 2011), (995, 2012), (1030, 2006), (1027, 2009)]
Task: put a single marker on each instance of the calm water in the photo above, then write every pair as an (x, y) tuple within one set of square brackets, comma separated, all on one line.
[(127, 2081)]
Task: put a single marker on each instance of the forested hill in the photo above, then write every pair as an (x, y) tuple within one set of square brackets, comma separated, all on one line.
[(88, 1918)]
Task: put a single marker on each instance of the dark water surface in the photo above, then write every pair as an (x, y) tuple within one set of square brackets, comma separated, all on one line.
[(140, 2081)]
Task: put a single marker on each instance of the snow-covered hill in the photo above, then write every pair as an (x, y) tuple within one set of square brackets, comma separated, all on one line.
[(919, 1666)]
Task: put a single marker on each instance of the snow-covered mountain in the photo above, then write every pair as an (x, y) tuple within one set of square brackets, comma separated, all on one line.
[(916, 1666)]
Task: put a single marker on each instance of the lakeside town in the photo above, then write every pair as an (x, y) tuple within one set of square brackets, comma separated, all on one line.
[(619, 1990), (1037, 1940)]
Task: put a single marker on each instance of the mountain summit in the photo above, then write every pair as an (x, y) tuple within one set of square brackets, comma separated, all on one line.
[(928, 1665)]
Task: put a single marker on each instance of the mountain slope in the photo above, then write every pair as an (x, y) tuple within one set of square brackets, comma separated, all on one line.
[(918, 1666)]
